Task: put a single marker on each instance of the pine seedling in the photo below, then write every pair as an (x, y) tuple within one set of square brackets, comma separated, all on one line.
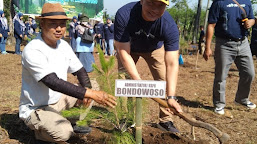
[(106, 79)]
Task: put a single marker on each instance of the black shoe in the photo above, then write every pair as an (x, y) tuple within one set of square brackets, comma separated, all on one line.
[(167, 126), (81, 129)]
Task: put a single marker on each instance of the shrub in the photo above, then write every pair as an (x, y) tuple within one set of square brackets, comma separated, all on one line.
[(183, 46)]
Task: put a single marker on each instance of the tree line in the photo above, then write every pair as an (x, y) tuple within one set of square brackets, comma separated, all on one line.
[(189, 19)]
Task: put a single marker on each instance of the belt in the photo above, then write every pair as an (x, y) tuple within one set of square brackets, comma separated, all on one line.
[(237, 39)]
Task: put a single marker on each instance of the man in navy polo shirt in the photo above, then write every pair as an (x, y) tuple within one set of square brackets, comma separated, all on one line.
[(98, 28), (225, 18), (144, 29), (109, 36)]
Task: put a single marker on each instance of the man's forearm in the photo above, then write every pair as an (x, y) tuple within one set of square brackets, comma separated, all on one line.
[(172, 68), (127, 60), (209, 34), (130, 65), (83, 78), (65, 87)]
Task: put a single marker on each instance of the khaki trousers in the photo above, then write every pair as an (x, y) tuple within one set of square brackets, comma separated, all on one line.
[(48, 124)]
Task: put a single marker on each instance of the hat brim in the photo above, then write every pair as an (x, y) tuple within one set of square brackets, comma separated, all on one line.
[(165, 1), (60, 17)]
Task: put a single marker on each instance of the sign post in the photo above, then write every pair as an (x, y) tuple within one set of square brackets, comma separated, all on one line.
[(139, 89), (139, 120)]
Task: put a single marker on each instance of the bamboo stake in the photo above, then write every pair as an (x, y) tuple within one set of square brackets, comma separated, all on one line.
[(139, 120)]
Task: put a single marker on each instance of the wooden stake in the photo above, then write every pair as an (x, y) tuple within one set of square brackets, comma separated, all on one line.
[(196, 59), (138, 120), (84, 114), (193, 132)]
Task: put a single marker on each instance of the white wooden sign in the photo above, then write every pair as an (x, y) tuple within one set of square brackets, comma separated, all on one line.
[(140, 88)]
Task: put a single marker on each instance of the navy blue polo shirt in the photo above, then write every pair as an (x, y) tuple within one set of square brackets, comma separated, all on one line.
[(98, 28), (228, 18), (145, 36), (202, 33), (108, 31)]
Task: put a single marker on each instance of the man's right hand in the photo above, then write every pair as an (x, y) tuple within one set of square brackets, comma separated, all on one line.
[(207, 53), (101, 97), (21, 36), (175, 104)]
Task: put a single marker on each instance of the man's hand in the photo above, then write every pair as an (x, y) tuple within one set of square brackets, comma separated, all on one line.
[(101, 97), (174, 103), (207, 53), (25, 37), (86, 102), (1, 35), (21, 35), (249, 23)]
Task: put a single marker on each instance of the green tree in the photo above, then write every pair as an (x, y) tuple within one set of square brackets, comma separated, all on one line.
[(254, 1), (197, 21), (183, 16), (8, 14)]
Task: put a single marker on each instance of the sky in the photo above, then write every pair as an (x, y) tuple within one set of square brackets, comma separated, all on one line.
[(113, 5)]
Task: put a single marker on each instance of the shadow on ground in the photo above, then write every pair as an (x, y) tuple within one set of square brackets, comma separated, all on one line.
[(192, 104), (16, 128)]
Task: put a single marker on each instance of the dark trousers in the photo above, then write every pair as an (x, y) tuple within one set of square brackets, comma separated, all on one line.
[(18, 46)]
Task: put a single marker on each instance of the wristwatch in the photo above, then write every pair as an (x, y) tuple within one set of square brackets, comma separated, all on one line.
[(171, 97)]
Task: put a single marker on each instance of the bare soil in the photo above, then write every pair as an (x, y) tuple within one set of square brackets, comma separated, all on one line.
[(195, 96)]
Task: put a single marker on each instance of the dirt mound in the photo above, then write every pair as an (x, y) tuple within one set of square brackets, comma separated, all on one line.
[(156, 136)]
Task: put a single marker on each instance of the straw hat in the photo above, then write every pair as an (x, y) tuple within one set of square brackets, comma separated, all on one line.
[(53, 11)]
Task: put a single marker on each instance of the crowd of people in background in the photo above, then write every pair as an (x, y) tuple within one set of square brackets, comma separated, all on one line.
[(22, 30), (103, 35), (84, 50)]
